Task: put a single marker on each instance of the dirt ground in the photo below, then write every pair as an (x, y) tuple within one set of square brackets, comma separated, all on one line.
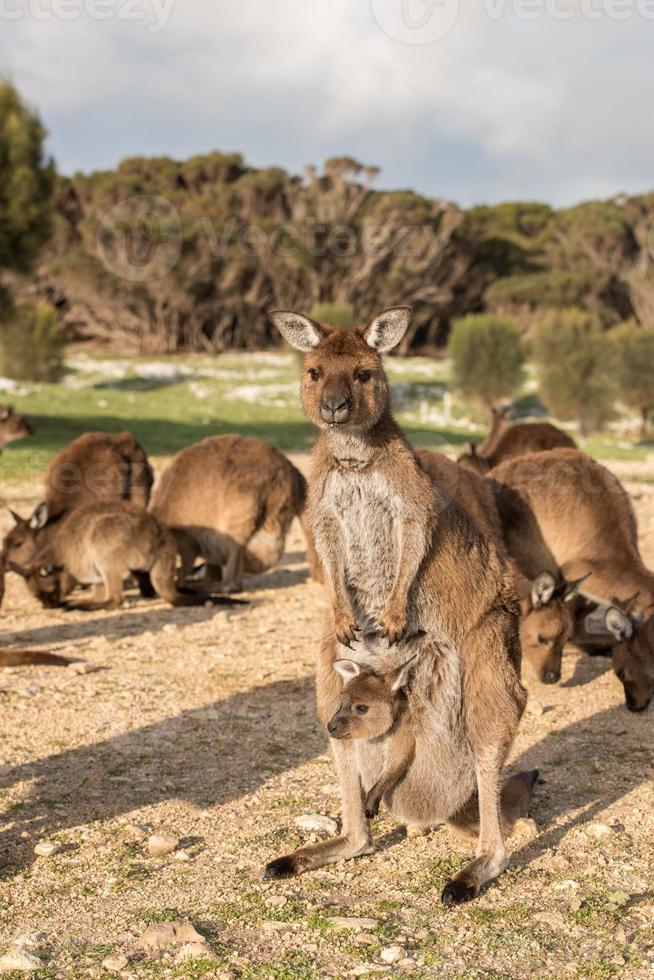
[(199, 723)]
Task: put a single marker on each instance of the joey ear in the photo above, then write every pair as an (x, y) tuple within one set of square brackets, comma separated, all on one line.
[(298, 330), (402, 674), (386, 329), (542, 589), (618, 624), (39, 518), (17, 518), (570, 589), (470, 448), (348, 669)]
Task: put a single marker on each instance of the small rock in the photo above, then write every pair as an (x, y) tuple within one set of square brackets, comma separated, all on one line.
[(194, 951), (552, 919), (407, 964), (526, 827), (317, 822), (276, 901), (393, 954), (329, 788), (352, 922), (599, 830), (271, 925), (20, 960), (115, 963), (415, 830), (182, 856), (160, 844), (161, 934), (46, 848), (558, 862)]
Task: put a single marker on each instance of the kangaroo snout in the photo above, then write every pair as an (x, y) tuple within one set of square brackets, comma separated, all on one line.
[(337, 727), (335, 408)]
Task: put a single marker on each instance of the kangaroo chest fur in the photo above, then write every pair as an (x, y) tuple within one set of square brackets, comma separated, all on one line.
[(369, 513)]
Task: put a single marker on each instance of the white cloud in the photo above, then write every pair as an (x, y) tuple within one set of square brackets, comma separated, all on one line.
[(499, 107)]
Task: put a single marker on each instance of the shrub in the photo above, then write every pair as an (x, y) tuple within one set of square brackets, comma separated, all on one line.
[(577, 367), (335, 314), (486, 356), (31, 343), (634, 350)]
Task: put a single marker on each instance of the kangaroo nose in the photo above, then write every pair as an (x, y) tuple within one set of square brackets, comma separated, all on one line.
[(332, 726), (335, 408)]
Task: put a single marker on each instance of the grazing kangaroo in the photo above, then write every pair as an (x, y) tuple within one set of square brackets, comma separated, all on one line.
[(231, 499), (408, 575), (12, 426), (547, 621), (100, 544), (564, 512), (95, 466), (506, 440)]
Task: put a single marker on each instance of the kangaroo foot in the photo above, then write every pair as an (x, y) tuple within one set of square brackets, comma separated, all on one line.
[(457, 891)]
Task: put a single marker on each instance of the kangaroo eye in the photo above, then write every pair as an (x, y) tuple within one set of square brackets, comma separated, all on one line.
[(45, 571), (542, 640), (363, 376), (361, 709), (314, 374)]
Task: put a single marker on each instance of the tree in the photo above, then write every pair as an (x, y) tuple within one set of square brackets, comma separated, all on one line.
[(31, 343), (577, 367), (634, 349), (26, 182), (486, 357)]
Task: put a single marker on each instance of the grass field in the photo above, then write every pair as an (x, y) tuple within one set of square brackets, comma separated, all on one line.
[(170, 403)]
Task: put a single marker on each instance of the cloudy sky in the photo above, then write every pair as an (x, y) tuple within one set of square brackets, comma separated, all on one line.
[(472, 100)]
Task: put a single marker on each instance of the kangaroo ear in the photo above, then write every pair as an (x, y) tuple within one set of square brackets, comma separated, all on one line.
[(402, 674), (17, 518), (618, 624), (570, 589), (348, 669), (39, 518), (470, 448), (386, 329), (542, 589), (300, 331)]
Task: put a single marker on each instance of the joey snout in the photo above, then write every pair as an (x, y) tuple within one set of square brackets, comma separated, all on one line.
[(339, 725)]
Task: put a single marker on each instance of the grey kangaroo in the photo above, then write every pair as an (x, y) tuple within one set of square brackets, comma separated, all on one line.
[(408, 575)]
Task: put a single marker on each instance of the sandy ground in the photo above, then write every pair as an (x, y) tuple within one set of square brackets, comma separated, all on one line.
[(200, 723)]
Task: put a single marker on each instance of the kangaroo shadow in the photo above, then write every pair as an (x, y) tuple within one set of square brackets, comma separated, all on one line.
[(587, 667), (580, 777), (208, 756)]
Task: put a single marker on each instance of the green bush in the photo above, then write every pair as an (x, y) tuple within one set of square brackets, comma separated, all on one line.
[(486, 357), (577, 367), (31, 343), (634, 350), (334, 314)]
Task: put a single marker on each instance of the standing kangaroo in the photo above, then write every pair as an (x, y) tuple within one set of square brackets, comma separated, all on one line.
[(408, 575)]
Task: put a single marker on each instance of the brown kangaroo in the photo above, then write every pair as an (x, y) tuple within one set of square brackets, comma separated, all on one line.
[(408, 575), (100, 544), (547, 619), (95, 466), (564, 512), (506, 440), (12, 426), (231, 499)]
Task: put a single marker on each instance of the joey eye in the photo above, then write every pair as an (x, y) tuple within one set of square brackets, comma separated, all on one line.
[(45, 571), (361, 709), (542, 640), (363, 376), (314, 374)]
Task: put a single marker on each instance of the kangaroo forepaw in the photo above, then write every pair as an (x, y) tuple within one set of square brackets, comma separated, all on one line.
[(283, 867), (393, 625), (457, 891), (346, 629), (372, 805)]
